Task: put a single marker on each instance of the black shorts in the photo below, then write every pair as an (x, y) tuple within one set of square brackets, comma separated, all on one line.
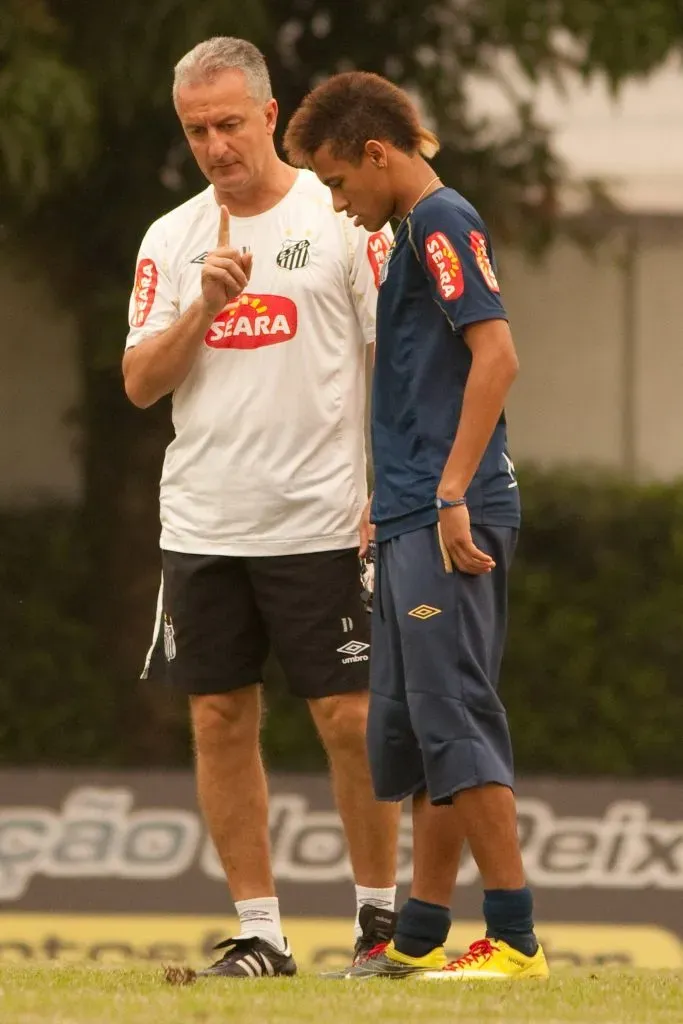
[(219, 617)]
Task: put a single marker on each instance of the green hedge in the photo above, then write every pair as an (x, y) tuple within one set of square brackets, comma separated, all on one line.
[(591, 675), (57, 701)]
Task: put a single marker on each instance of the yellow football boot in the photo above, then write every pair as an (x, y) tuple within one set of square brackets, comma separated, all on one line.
[(492, 959)]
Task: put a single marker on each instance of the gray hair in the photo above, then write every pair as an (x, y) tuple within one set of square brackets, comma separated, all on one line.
[(224, 53)]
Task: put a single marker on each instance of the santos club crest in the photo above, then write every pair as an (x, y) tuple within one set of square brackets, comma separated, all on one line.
[(294, 255)]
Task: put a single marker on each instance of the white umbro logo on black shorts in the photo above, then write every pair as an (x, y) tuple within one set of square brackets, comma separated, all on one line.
[(355, 651)]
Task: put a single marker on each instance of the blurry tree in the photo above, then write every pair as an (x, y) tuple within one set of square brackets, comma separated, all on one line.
[(440, 48), (90, 153)]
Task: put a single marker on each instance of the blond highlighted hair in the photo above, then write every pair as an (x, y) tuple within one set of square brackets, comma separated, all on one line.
[(429, 144)]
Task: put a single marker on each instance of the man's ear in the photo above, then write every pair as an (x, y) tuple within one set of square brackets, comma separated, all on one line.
[(271, 116)]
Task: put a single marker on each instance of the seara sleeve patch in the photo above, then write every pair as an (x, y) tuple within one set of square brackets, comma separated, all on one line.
[(378, 248), (146, 280), (481, 255), (444, 265)]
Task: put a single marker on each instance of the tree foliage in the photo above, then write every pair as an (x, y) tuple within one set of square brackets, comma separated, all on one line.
[(47, 105), (90, 148), (86, 95)]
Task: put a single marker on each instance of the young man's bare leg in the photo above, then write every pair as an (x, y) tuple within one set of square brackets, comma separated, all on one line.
[(438, 838), (489, 818)]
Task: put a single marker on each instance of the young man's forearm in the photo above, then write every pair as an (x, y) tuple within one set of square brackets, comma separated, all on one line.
[(493, 370), (161, 362)]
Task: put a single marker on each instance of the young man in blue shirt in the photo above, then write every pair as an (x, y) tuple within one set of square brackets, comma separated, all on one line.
[(446, 513)]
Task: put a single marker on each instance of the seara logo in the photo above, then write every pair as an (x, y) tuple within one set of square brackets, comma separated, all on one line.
[(254, 321), (146, 280), (445, 266), (378, 248), (478, 247)]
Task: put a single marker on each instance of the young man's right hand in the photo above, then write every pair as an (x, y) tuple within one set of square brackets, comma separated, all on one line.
[(226, 272)]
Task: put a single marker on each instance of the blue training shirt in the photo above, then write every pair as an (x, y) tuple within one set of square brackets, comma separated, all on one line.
[(438, 278)]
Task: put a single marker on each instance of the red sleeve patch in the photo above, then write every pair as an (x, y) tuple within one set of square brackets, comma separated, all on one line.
[(146, 280), (378, 247), (478, 247), (445, 266)]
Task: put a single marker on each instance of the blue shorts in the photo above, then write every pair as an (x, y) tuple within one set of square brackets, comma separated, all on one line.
[(436, 721)]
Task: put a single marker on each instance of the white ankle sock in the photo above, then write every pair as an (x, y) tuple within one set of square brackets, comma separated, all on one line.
[(261, 917), (385, 899)]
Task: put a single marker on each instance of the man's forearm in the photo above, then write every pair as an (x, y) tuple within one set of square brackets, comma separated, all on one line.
[(491, 375), (160, 363)]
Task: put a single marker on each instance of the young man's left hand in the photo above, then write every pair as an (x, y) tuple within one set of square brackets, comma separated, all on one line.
[(456, 537)]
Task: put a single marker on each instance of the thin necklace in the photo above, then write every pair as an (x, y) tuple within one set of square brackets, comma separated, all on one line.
[(427, 186), (390, 250), (405, 217)]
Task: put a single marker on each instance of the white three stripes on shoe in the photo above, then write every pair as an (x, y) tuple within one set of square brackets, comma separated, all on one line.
[(253, 968)]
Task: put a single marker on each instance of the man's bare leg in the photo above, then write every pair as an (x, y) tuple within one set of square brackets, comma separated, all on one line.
[(233, 795), (371, 827), (232, 787)]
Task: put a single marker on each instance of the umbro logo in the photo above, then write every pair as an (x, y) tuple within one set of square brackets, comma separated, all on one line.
[(424, 611), (201, 258), (355, 651), (353, 647)]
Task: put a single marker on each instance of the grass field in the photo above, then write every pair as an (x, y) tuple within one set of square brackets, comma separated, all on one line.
[(101, 995)]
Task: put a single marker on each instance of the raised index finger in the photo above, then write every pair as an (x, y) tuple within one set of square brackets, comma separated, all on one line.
[(224, 228)]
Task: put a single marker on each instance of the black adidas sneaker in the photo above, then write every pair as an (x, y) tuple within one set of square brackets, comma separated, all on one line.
[(378, 928), (251, 958)]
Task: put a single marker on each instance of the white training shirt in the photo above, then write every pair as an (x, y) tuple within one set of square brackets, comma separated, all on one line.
[(269, 454)]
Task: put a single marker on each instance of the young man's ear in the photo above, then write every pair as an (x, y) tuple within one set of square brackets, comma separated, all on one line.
[(376, 153)]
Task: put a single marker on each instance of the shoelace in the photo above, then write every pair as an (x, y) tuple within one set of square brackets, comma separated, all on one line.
[(372, 953), (481, 950)]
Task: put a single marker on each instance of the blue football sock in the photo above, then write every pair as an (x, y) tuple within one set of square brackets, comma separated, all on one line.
[(509, 916), (421, 927)]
